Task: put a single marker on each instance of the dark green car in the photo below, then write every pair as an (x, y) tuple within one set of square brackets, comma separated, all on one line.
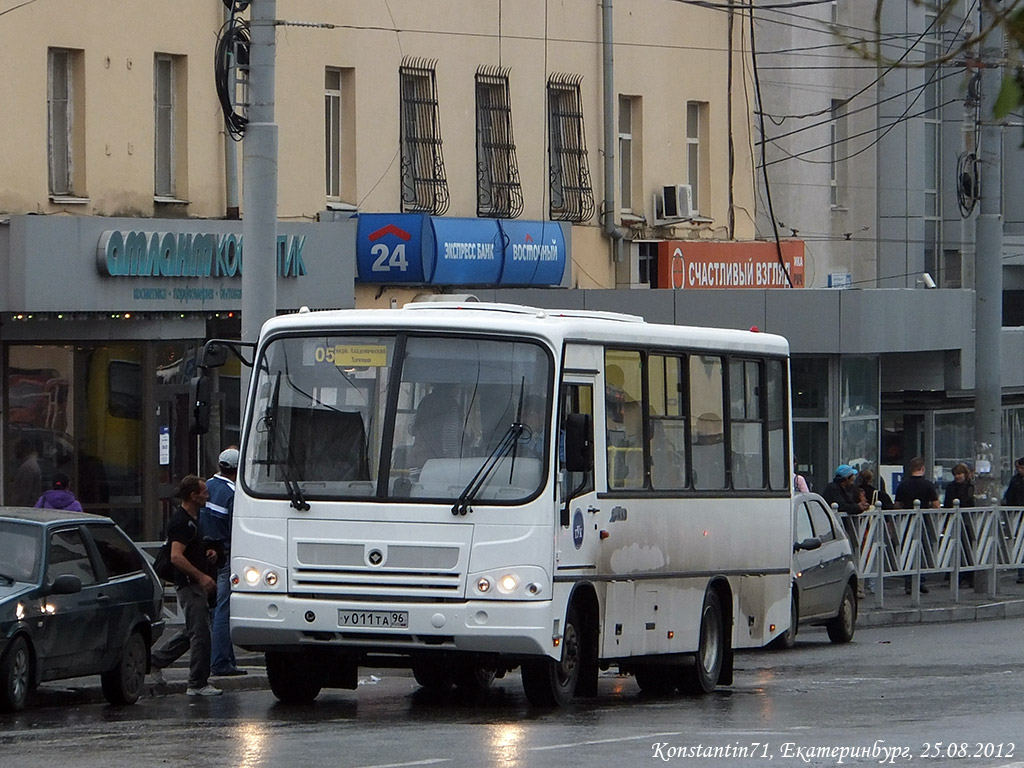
[(77, 598)]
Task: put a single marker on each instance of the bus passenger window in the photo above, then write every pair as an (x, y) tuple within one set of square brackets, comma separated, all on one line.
[(624, 419)]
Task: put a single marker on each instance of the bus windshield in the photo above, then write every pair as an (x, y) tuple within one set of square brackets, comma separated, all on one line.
[(401, 417)]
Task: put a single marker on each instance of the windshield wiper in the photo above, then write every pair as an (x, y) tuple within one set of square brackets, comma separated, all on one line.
[(9, 579), (298, 501), (507, 443)]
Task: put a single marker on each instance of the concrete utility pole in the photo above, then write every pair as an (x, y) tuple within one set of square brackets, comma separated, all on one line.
[(259, 164), (988, 312)]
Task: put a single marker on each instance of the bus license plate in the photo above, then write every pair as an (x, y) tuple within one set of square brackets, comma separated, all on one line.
[(399, 619)]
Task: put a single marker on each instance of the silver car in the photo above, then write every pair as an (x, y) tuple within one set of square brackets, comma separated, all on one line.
[(824, 572)]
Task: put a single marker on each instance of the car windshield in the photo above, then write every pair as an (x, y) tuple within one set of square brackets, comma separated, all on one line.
[(19, 550), (400, 417)]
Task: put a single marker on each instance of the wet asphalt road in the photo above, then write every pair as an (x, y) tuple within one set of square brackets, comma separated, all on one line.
[(931, 695)]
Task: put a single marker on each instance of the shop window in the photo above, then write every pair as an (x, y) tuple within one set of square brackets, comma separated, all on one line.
[(40, 420)]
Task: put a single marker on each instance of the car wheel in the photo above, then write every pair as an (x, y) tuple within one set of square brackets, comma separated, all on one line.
[(550, 683), (15, 676), (787, 639), (292, 678), (123, 683), (703, 676), (841, 628)]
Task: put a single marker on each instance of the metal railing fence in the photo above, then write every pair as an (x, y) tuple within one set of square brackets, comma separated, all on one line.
[(912, 543)]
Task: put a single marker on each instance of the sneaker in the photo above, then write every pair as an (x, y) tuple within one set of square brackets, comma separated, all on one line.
[(1020, 579), (231, 672), (156, 677), (206, 690), (924, 590)]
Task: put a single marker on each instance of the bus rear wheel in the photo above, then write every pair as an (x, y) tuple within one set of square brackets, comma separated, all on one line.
[(550, 683), (292, 677), (703, 676)]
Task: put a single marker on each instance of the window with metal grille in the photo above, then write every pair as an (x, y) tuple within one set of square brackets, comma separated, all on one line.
[(424, 184), (498, 191), (572, 194)]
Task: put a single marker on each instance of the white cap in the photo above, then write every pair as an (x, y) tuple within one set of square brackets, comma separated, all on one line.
[(228, 459)]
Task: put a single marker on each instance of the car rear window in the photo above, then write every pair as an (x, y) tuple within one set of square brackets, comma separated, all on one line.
[(120, 557)]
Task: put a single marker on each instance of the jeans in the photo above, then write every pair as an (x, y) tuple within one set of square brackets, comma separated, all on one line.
[(222, 658), (193, 637)]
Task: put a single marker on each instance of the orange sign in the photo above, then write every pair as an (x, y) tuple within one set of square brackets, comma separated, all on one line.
[(704, 264)]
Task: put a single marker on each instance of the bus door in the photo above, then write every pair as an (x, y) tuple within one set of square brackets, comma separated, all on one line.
[(582, 516)]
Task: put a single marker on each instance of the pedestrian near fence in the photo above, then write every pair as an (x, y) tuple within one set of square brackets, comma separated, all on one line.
[(193, 584)]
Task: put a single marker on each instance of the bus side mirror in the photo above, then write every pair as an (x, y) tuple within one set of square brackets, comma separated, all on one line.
[(214, 355), (199, 396), (579, 442)]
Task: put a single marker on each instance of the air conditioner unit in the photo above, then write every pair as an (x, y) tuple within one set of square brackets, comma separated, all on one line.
[(675, 203)]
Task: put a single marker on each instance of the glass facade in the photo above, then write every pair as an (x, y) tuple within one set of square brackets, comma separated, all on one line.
[(113, 417)]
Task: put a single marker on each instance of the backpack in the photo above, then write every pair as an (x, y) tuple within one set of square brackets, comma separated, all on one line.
[(162, 563)]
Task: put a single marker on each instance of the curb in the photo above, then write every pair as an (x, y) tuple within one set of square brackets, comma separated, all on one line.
[(1006, 609)]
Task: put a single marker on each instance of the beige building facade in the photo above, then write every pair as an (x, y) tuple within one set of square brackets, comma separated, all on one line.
[(120, 244)]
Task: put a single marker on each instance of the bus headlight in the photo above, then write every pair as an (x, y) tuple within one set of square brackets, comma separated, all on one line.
[(252, 576), (519, 583), (271, 578), (508, 583)]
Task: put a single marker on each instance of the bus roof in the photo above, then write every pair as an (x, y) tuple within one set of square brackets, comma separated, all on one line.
[(557, 325)]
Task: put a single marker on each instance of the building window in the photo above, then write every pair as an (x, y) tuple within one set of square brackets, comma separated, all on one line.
[(424, 184), (498, 190), (332, 139), (932, 174), (571, 192), (836, 140), (66, 122), (627, 105), (170, 127), (697, 150)]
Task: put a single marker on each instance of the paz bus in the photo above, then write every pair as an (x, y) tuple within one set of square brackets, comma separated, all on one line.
[(463, 489)]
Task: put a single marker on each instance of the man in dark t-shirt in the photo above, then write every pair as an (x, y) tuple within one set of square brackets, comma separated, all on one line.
[(916, 487), (192, 583)]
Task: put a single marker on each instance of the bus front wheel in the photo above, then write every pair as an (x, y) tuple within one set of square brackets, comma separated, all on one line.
[(292, 677), (550, 683), (703, 676)]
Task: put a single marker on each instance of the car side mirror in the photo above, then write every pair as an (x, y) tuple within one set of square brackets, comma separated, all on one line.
[(812, 543), (66, 584)]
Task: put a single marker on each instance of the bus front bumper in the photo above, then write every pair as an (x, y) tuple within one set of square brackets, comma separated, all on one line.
[(511, 628)]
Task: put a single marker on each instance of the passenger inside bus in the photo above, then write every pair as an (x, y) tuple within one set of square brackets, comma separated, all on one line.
[(437, 426)]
